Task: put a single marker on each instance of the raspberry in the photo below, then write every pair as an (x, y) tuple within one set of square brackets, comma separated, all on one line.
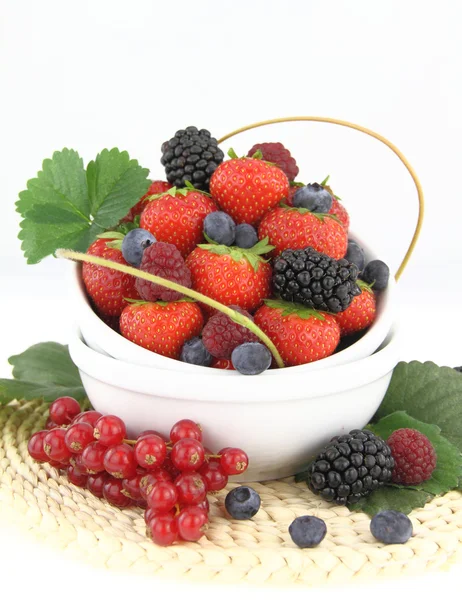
[(221, 335), (415, 457), (275, 152), (164, 260)]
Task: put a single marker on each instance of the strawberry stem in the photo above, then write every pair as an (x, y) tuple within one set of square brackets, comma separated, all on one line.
[(232, 314)]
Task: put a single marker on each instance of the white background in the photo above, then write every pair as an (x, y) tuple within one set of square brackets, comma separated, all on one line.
[(93, 74)]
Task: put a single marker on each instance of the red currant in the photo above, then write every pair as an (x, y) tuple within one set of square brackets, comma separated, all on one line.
[(192, 523), (163, 529), (132, 487), (76, 476), (93, 457), (214, 476), (187, 455), (63, 410), (120, 461), (186, 429), (35, 446), (233, 461), (217, 456), (113, 493), (78, 436), (151, 432), (191, 488), (204, 505), (57, 465), (162, 497), (89, 416), (141, 503), (110, 430), (95, 483), (55, 447), (148, 481), (170, 467), (76, 461), (150, 513), (50, 424), (150, 451)]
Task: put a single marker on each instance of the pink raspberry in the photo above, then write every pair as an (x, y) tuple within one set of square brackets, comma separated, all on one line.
[(275, 152), (164, 260), (221, 335), (415, 457)]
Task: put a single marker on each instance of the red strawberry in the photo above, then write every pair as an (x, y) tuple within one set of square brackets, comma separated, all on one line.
[(337, 207), (161, 327), (156, 187), (106, 287), (360, 314), (232, 276), (177, 217), (298, 228), (246, 188), (300, 334)]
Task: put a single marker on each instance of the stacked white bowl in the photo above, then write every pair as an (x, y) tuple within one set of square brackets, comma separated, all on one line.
[(280, 418)]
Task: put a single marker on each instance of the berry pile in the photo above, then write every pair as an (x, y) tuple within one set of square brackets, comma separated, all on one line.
[(168, 476), (242, 233)]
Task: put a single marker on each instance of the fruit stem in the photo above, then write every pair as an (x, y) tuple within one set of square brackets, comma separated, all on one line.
[(232, 314), (131, 442)]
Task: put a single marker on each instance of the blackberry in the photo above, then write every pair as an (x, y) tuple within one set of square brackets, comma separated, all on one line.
[(191, 155), (315, 280), (350, 467)]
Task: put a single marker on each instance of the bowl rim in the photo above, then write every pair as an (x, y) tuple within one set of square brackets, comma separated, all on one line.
[(205, 386), (379, 328)]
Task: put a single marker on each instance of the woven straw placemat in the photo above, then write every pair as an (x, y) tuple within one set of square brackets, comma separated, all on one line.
[(258, 551)]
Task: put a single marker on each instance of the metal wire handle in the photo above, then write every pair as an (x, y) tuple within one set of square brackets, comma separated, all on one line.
[(377, 136)]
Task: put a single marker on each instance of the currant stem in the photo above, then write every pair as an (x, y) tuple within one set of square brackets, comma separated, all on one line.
[(130, 442), (232, 314)]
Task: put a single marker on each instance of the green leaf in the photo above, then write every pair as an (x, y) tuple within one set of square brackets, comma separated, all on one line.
[(392, 498), (448, 469), (114, 183), (43, 371), (232, 154), (66, 207), (292, 308), (324, 181), (252, 255), (429, 393), (261, 247)]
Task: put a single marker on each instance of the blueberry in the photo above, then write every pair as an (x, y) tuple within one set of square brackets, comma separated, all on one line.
[(134, 244), (220, 228), (313, 197), (377, 274), (195, 353), (355, 255), (251, 358), (307, 532), (242, 503), (246, 236), (391, 527)]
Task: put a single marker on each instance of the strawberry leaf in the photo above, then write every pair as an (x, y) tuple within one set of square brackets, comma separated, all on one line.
[(291, 308), (64, 206), (43, 371), (448, 469), (429, 393), (252, 255)]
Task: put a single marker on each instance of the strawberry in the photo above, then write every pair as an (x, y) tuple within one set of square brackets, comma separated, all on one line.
[(161, 327), (156, 187), (246, 188), (361, 312), (106, 287), (232, 276), (177, 217), (301, 335), (297, 228), (337, 207)]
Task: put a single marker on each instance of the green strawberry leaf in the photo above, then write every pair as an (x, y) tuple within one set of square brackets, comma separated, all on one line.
[(292, 308), (392, 498), (324, 181), (43, 371), (429, 393), (64, 206), (127, 226), (252, 255), (448, 469)]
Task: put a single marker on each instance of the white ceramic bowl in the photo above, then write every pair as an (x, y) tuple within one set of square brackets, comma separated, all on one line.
[(280, 418), (105, 340)]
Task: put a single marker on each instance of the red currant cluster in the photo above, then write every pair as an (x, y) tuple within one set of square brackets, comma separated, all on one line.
[(170, 477)]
